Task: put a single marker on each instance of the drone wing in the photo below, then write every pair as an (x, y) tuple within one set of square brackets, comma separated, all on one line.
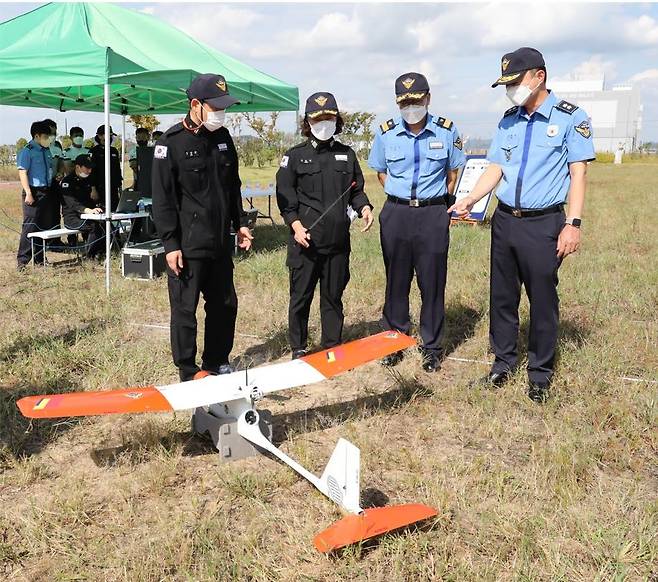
[(216, 389)]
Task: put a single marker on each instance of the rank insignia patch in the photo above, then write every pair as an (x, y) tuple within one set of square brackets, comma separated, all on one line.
[(458, 143)]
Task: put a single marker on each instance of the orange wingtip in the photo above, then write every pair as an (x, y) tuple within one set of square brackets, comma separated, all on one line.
[(128, 400), (355, 353), (370, 524)]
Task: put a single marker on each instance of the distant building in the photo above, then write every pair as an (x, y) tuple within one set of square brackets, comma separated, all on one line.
[(615, 114)]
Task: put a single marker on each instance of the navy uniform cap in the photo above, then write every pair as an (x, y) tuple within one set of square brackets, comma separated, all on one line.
[(84, 160), (212, 89), (321, 103), (411, 86), (514, 64)]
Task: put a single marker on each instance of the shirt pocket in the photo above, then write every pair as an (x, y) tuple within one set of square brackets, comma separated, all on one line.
[(194, 175), (551, 142), (436, 160), (343, 172), (309, 180), (395, 161)]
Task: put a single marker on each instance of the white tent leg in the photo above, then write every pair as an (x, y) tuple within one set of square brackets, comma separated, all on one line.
[(123, 150), (108, 198)]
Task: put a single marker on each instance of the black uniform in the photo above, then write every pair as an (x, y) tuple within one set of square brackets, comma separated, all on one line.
[(97, 154), (75, 193), (196, 201), (312, 176)]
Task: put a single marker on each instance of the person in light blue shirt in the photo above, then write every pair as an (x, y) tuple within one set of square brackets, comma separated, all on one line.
[(417, 157), (35, 171), (538, 159)]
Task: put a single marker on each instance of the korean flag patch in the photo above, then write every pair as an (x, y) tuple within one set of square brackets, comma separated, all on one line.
[(222, 147), (160, 152), (284, 162)]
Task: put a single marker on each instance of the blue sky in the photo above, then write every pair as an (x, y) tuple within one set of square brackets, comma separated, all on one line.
[(357, 50)]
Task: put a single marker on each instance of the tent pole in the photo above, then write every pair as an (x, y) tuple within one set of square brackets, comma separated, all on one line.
[(108, 198), (123, 149)]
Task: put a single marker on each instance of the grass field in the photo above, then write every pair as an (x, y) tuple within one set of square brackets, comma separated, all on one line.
[(565, 491)]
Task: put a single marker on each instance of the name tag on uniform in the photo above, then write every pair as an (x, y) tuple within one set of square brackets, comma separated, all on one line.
[(552, 130), (341, 157), (160, 152), (436, 145), (222, 147)]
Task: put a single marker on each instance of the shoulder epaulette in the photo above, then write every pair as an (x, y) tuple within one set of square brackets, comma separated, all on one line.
[(443, 122), (173, 129), (566, 107), (390, 124), (511, 110)]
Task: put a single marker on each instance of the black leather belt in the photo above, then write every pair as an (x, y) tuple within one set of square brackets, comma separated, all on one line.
[(521, 212), (416, 203)]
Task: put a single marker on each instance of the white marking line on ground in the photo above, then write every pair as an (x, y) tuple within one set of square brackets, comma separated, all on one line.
[(629, 379), (469, 361)]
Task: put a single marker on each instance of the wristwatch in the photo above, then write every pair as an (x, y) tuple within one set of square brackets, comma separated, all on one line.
[(573, 222)]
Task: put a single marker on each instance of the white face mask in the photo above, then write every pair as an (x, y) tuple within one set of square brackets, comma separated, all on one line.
[(84, 175), (324, 130), (77, 140), (214, 120), (413, 113), (519, 94)]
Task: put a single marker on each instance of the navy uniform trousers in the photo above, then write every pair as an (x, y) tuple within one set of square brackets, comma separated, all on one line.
[(524, 252), (415, 240), (212, 278)]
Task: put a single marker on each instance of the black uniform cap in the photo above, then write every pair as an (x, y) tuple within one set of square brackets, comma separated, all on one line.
[(212, 89), (321, 103), (518, 62), (101, 130), (85, 161), (411, 86)]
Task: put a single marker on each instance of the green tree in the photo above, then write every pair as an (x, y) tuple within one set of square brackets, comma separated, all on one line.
[(357, 131), (150, 122), (20, 144)]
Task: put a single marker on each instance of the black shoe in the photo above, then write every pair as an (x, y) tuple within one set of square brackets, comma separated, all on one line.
[(431, 362), (538, 391), (392, 359), (492, 380), (296, 354), (224, 368)]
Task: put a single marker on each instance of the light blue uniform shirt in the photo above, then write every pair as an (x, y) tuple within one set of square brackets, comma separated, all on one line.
[(535, 152), (38, 164), (416, 165)]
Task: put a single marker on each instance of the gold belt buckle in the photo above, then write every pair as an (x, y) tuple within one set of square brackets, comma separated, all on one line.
[(414, 202), (516, 212)]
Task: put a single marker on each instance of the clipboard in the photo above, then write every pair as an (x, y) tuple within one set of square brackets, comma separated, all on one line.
[(470, 174)]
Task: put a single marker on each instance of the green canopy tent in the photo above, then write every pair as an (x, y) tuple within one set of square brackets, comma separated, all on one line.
[(101, 57)]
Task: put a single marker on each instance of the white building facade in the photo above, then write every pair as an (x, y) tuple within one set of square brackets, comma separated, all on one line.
[(615, 114)]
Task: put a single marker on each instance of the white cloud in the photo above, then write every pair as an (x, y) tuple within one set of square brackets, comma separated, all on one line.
[(648, 75), (593, 68), (148, 10), (332, 31), (642, 31)]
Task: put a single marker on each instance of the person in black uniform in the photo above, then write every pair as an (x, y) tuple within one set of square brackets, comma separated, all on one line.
[(98, 176), (196, 201), (317, 181), (75, 190)]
